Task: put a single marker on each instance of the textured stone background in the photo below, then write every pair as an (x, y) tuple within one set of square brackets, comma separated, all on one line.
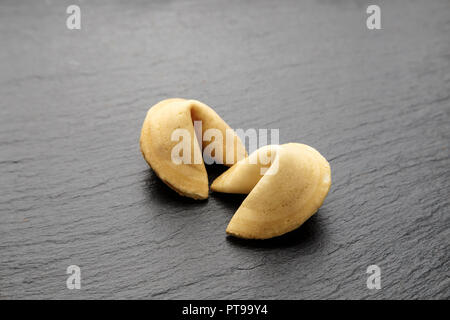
[(75, 189)]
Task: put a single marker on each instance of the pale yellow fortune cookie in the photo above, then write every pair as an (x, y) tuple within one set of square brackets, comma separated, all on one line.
[(157, 144), (294, 186)]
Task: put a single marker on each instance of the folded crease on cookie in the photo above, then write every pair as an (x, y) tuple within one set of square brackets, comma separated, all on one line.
[(157, 143), (286, 184)]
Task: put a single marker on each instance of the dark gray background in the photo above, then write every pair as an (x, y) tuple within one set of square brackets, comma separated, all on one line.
[(76, 190)]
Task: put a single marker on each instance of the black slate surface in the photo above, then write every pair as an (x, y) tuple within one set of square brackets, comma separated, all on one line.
[(76, 190)]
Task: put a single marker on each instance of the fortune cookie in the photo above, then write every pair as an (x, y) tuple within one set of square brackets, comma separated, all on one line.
[(282, 193), (158, 144)]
